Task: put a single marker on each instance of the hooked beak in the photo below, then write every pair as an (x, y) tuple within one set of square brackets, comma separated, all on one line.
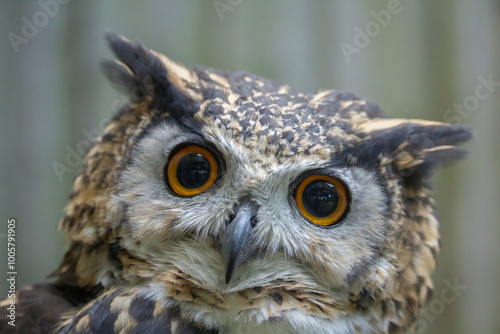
[(237, 241)]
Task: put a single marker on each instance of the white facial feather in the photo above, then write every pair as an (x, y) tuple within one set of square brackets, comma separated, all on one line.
[(168, 231)]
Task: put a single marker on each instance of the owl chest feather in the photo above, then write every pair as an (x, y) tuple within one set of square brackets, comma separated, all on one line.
[(281, 307)]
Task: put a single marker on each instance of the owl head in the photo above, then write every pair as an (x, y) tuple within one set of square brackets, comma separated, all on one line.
[(241, 199)]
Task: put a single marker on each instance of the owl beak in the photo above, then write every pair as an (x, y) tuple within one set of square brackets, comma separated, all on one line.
[(237, 240)]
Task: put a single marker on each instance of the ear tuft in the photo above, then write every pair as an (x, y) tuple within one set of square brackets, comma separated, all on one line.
[(432, 146), (142, 72), (413, 147)]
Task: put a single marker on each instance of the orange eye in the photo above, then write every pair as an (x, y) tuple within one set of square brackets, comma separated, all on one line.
[(191, 171), (322, 199)]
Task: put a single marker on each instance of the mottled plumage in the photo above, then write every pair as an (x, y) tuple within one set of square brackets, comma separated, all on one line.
[(151, 262)]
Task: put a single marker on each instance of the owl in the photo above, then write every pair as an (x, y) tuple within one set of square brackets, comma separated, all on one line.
[(223, 202)]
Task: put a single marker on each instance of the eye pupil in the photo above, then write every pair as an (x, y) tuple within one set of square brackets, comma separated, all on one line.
[(190, 171), (320, 198), (193, 171)]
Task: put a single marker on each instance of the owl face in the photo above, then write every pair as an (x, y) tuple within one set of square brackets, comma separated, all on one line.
[(233, 197), (282, 236)]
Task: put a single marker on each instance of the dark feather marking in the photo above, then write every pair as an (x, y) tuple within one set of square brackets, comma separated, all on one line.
[(155, 326), (102, 320), (278, 299), (186, 328), (141, 308), (360, 268), (394, 328)]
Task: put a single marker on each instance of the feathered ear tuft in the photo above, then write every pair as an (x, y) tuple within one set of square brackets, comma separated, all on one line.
[(413, 147), (141, 72)]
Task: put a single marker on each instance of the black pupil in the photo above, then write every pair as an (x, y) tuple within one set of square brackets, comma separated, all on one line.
[(193, 171), (320, 198)]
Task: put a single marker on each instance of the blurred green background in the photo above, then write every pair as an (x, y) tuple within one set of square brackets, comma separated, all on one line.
[(426, 59)]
